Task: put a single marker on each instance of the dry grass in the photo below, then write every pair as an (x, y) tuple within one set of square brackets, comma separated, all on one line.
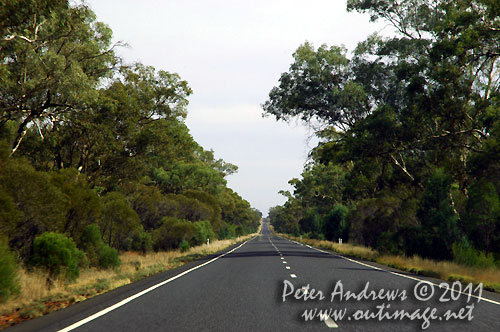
[(37, 299), (445, 270), (344, 249)]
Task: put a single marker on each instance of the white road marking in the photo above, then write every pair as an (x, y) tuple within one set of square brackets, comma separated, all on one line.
[(287, 267), (128, 299), (293, 275), (330, 323), (305, 290), (404, 276), (282, 257), (284, 262)]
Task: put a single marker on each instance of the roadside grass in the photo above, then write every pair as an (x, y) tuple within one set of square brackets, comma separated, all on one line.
[(445, 270), (38, 297), (344, 249)]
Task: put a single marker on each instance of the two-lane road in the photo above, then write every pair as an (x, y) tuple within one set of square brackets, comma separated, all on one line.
[(243, 290)]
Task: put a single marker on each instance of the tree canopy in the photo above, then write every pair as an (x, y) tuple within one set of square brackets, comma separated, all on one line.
[(408, 125), (92, 145)]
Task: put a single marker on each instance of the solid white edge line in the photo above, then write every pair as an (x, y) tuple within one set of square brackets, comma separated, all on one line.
[(128, 299), (401, 275)]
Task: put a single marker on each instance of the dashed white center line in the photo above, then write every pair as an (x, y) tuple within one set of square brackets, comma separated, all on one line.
[(284, 262), (282, 257), (287, 267), (293, 275), (330, 323)]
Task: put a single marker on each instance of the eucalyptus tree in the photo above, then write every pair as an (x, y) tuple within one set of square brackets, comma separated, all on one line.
[(54, 56)]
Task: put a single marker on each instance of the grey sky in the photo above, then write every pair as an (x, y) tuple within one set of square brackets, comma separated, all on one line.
[(232, 53)]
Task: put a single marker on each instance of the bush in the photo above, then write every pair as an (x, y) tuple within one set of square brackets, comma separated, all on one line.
[(335, 224), (142, 241), (58, 254), (98, 253), (9, 284), (184, 246), (227, 231), (204, 231), (439, 223), (119, 221), (172, 233), (108, 257), (466, 255)]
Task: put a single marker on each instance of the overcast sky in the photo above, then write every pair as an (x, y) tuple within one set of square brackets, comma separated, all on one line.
[(232, 53)]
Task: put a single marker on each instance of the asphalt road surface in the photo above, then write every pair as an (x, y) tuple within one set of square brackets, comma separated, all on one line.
[(273, 284)]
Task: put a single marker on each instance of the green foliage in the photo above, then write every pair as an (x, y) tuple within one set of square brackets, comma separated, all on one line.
[(83, 206), (226, 231), (58, 255), (184, 176), (335, 225), (60, 51), (142, 241), (237, 211), (184, 246), (41, 204), (108, 257), (9, 283), (482, 219), (374, 216), (190, 208), (204, 231), (439, 223), (464, 254), (312, 223), (390, 116), (211, 202), (172, 232), (98, 253), (9, 214), (118, 221), (86, 140)]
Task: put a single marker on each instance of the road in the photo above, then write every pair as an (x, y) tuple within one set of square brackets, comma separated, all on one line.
[(249, 288)]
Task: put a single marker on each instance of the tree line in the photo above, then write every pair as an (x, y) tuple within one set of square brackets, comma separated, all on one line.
[(96, 150), (409, 126)]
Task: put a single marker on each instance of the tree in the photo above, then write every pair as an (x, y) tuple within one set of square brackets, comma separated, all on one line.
[(54, 57), (318, 87), (119, 221), (481, 221), (439, 223), (58, 254)]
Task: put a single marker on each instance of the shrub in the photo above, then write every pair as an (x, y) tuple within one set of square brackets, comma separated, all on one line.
[(466, 255), (98, 253), (204, 231), (227, 231), (9, 284), (335, 224), (171, 234), (119, 221), (141, 241), (108, 257), (439, 222), (58, 254), (184, 246)]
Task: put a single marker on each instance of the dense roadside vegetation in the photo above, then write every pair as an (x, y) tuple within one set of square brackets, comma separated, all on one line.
[(409, 126), (95, 157)]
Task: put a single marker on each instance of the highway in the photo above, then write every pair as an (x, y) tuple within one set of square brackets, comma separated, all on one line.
[(266, 284)]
